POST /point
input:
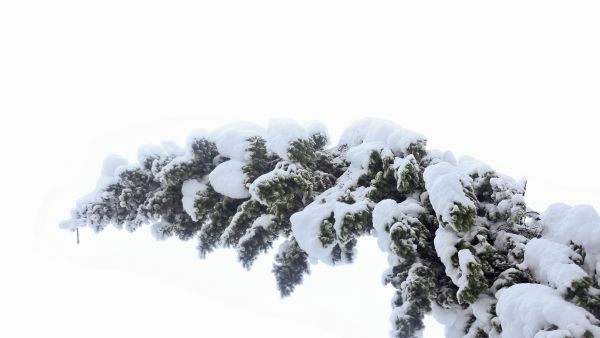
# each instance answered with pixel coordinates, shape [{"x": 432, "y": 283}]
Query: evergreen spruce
[{"x": 459, "y": 236}]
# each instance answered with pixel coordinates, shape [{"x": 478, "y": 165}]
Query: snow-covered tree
[{"x": 460, "y": 241}]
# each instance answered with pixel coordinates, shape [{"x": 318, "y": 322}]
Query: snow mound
[
  {"x": 189, "y": 190},
  {"x": 383, "y": 132},
  {"x": 228, "y": 179},
  {"x": 446, "y": 185},
  {"x": 525, "y": 310},
  {"x": 232, "y": 140},
  {"x": 281, "y": 133},
  {"x": 579, "y": 224},
  {"x": 552, "y": 263}
]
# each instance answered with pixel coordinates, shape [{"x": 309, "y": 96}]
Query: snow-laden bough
[{"x": 460, "y": 242}]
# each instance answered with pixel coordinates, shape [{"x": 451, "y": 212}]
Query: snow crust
[
  {"x": 483, "y": 318},
  {"x": 163, "y": 150},
  {"x": 228, "y": 179},
  {"x": 552, "y": 263},
  {"x": 445, "y": 184},
  {"x": 382, "y": 132},
  {"x": 470, "y": 165},
  {"x": 306, "y": 224},
  {"x": 464, "y": 258},
  {"x": 454, "y": 320},
  {"x": 231, "y": 140},
  {"x": 525, "y": 310},
  {"x": 445, "y": 246},
  {"x": 189, "y": 190},
  {"x": 436, "y": 156},
  {"x": 359, "y": 156},
  {"x": 110, "y": 168},
  {"x": 316, "y": 127},
  {"x": 306, "y": 227},
  {"x": 281, "y": 133},
  {"x": 580, "y": 224}
]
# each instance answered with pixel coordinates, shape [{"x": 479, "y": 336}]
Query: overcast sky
[{"x": 513, "y": 83}]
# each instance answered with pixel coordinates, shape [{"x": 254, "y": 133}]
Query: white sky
[{"x": 513, "y": 83}]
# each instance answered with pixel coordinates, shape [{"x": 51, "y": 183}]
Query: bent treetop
[{"x": 461, "y": 243}]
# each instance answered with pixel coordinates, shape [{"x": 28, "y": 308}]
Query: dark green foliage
[
  {"x": 409, "y": 176},
  {"x": 320, "y": 140},
  {"x": 510, "y": 277},
  {"x": 291, "y": 263},
  {"x": 417, "y": 150},
  {"x": 463, "y": 218},
  {"x": 303, "y": 151},
  {"x": 475, "y": 284},
  {"x": 257, "y": 239},
  {"x": 287, "y": 192},
  {"x": 415, "y": 295},
  {"x": 355, "y": 225},
  {"x": 261, "y": 161},
  {"x": 199, "y": 162},
  {"x": 218, "y": 220},
  {"x": 374, "y": 167},
  {"x": 246, "y": 214}
]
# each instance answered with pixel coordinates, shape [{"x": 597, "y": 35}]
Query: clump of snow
[
  {"x": 232, "y": 140},
  {"x": 388, "y": 211},
  {"x": 483, "y": 316},
  {"x": 165, "y": 149},
  {"x": 445, "y": 184},
  {"x": 454, "y": 320},
  {"x": 281, "y": 133},
  {"x": 552, "y": 263},
  {"x": 384, "y": 214},
  {"x": 172, "y": 148},
  {"x": 306, "y": 224},
  {"x": 341, "y": 209},
  {"x": 471, "y": 166},
  {"x": 228, "y": 179},
  {"x": 383, "y": 132},
  {"x": 189, "y": 190},
  {"x": 360, "y": 156},
  {"x": 445, "y": 246},
  {"x": 579, "y": 224},
  {"x": 355, "y": 133},
  {"x": 149, "y": 151},
  {"x": 316, "y": 127},
  {"x": 436, "y": 156},
  {"x": 525, "y": 310},
  {"x": 506, "y": 187},
  {"x": 464, "y": 258},
  {"x": 306, "y": 227},
  {"x": 110, "y": 167},
  {"x": 196, "y": 135}
]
